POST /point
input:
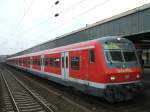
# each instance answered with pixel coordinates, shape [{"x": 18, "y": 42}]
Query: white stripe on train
[{"x": 80, "y": 81}]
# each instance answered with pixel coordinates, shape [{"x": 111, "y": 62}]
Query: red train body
[{"x": 108, "y": 67}]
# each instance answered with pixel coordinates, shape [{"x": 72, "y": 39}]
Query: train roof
[
  {"x": 101, "y": 39},
  {"x": 114, "y": 39}
]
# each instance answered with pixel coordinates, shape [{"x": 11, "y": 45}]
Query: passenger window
[
  {"x": 31, "y": 61},
  {"x": 28, "y": 62},
  {"x": 57, "y": 62},
  {"x": 46, "y": 61},
  {"x": 66, "y": 62},
  {"x": 41, "y": 61},
  {"x": 37, "y": 62},
  {"x": 34, "y": 62},
  {"x": 92, "y": 56},
  {"x": 51, "y": 62},
  {"x": 75, "y": 63},
  {"x": 62, "y": 62}
]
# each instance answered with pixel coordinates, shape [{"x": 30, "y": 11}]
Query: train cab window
[
  {"x": 75, "y": 62},
  {"x": 51, "y": 62},
  {"x": 116, "y": 56},
  {"x": 57, "y": 62},
  {"x": 130, "y": 56},
  {"x": 92, "y": 56}
]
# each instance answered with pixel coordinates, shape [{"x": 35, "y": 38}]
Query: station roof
[{"x": 99, "y": 23}]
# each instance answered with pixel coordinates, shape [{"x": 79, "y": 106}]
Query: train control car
[{"x": 107, "y": 67}]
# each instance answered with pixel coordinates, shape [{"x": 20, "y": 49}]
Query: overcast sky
[{"x": 25, "y": 23}]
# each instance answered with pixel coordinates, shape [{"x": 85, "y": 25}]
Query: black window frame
[
  {"x": 75, "y": 63},
  {"x": 92, "y": 56},
  {"x": 115, "y": 57},
  {"x": 57, "y": 63},
  {"x": 130, "y": 57},
  {"x": 46, "y": 62},
  {"x": 62, "y": 60},
  {"x": 51, "y": 62}
]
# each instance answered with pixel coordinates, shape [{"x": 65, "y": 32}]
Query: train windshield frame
[
  {"x": 130, "y": 56},
  {"x": 120, "y": 56},
  {"x": 116, "y": 56},
  {"x": 120, "y": 52}
]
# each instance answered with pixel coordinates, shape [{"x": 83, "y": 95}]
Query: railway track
[
  {"x": 56, "y": 100},
  {"x": 60, "y": 98},
  {"x": 18, "y": 97}
]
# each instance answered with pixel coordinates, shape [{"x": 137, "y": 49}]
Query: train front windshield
[
  {"x": 120, "y": 53},
  {"x": 119, "y": 56}
]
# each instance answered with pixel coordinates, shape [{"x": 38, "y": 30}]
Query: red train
[{"x": 108, "y": 67}]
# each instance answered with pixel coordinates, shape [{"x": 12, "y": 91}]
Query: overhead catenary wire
[
  {"x": 25, "y": 13},
  {"x": 72, "y": 6},
  {"x": 85, "y": 12},
  {"x": 66, "y": 22},
  {"x": 39, "y": 22},
  {"x": 55, "y": 15}
]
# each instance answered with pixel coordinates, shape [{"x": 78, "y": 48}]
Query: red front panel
[{"x": 124, "y": 74}]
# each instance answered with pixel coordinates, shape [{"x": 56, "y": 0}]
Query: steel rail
[
  {"x": 60, "y": 96},
  {"x": 47, "y": 109},
  {"x": 15, "y": 107}
]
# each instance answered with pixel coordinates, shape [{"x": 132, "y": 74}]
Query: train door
[
  {"x": 85, "y": 65},
  {"x": 65, "y": 65},
  {"x": 79, "y": 66},
  {"x": 42, "y": 62},
  {"x": 31, "y": 62}
]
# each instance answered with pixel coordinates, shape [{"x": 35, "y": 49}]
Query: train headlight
[
  {"x": 118, "y": 38},
  {"x": 138, "y": 76},
  {"x": 112, "y": 78}
]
